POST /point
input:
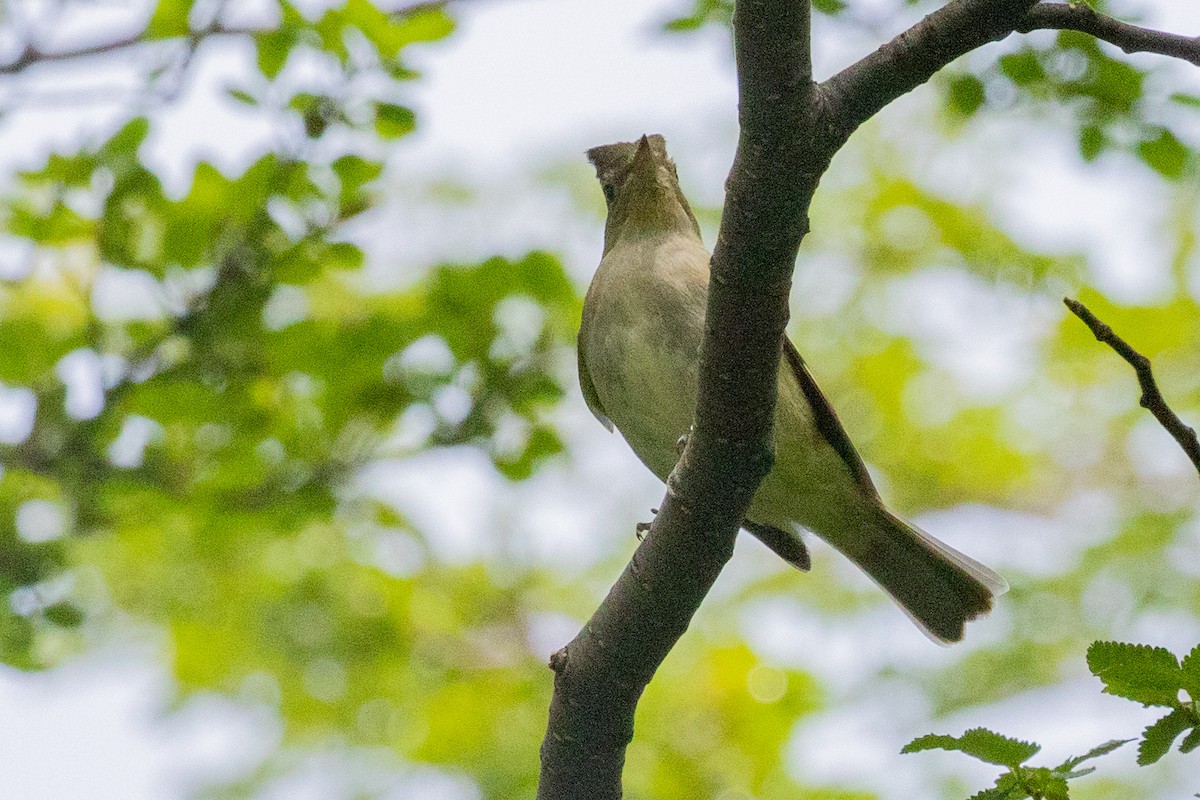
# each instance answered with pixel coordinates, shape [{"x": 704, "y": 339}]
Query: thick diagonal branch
[
  {"x": 600, "y": 675},
  {"x": 1152, "y": 399},
  {"x": 858, "y": 92},
  {"x": 1130, "y": 38}
]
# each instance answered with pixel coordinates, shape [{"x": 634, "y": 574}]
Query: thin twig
[
  {"x": 1151, "y": 399},
  {"x": 32, "y": 54},
  {"x": 1130, "y": 38}
]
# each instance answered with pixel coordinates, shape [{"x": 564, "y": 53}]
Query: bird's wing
[
  {"x": 585, "y": 378},
  {"x": 826, "y": 419}
]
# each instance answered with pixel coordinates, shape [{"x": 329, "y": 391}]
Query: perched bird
[{"x": 639, "y": 343}]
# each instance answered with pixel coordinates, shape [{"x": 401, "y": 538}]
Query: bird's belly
[{"x": 649, "y": 391}]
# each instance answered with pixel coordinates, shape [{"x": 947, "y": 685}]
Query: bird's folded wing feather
[
  {"x": 585, "y": 378},
  {"x": 826, "y": 419}
]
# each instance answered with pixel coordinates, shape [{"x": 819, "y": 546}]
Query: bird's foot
[
  {"x": 641, "y": 528},
  {"x": 682, "y": 441}
]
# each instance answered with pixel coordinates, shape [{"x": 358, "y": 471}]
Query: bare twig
[
  {"x": 32, "y": 55},
  {"x": 1130, "y": 38},
  {"x": 1151, "y": 399}
]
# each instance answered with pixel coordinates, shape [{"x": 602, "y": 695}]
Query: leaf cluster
[
  {"x": 1021, "y": 781},
  {"x": 1152, "y": 676}
]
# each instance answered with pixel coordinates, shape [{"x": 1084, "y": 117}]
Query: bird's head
[{"x": 642, "y": 190}]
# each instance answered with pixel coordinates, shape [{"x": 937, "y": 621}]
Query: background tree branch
[
  {"x": 861, "y": 90},
  {"x": 600, "y": 675},
  {"x": 32, "y": 54},
  {"x": 1151, "y": 399},
  {"x": 1130, "y": 38}
]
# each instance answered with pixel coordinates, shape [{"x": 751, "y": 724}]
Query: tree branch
[
  {"x": 32, "y": 55},
  {"x": 600, "y": 675},
  {"x": 861, "y": 90},
  {"x": 1151, "y": 399},
  {"x": 789, "y": 131},
  {"x": 1130, "y": 38}
]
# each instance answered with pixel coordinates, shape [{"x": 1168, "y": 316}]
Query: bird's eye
[{"x": 610, "y": 192}]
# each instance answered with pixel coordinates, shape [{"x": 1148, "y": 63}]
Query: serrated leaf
[
  {"x": 1190, "y": 674},
  {"x": 990, "y": 794},
  {"x": 1008, "y": 787},
  {"x": 1147, "y": 675},
  {"x": 1191, "y": 741},
  {"x": 1158, "y": 738},
  {"x": 1095, "y": 752},
  {"x": 979, "y": 743}
]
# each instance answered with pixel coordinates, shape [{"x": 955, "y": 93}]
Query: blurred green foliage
[{"x": 192, "y": 467}]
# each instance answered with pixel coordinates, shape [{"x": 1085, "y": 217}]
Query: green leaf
[
  {"x": 1147, "y": 675},
  {"x": 274, "y": 47},
  {"x": 966, "y": 94},
  {"x": 1070, "y": 764},
  {"x": 1092, "y": 142},
  {"x": 343, "y": 255},
  {"x": 991, "y": 794},
  {"x": 1190, "y": 674},
  {"x": 979, "y": 743},
  {"x": 1165, "y": 154},
  {"x": 170, "y": 19},
  {"x": 393, "y": 121},
  {"x": 426, "y": 24},
  {"x": 127, "y": 140},
  {"x": 1191, "y": 741},
  {"x": 75, "y": 170},
  {"x": 355, "y": 171},
  {"x": 64, "y": 615},
  {"x": 317, "y": 111},
  {"x": 1023, "y": 68},
  {"x": 831, "y": 7},
  {"x": 683, "y": 24},
  {"x": 243, "y": 97},
  {"x": 1158, "y": 738},
  {"x": 1182, "y": 99}
]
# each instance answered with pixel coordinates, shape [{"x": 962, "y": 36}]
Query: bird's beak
[
  {"x": 644, "y": 189},
  {"x": 643, "y": 170}
]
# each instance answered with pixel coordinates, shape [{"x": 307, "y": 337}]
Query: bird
[{"x": 638, "y": 346}]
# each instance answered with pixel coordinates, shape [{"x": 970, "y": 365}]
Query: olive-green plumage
[{"x": 643, "y": 320}]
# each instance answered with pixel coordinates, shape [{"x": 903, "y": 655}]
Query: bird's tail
[{"x": 938, "y": 587}]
